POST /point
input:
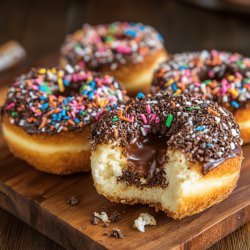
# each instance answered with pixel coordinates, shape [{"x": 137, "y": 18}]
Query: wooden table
[{"x": 42, "y": 33}]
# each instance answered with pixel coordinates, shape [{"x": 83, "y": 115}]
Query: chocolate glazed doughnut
[
  {"x": 180, "y": 154},
  {"x": 47, "y": 114},
  {"x": 223, "y": 77},
  {"x": 128, "y": 51}
]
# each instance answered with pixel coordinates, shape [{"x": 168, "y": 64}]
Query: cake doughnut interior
[
  {"x": 128, "y": 51},
  {"x": 180, "y": 154},
  {"x": 47, "y": 114},
  {"x": 223, "y": 77}
]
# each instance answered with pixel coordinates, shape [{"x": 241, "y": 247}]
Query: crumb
[
  {"x": 73, "y": 201},
  {"x": 106, "y": 234},
  {"x": 106, "y": 224},
  {"x": 116, "y": 233},
  {"x": 95, "y": 221},
  {"x": 102, "y": 216},
  {"x": 143, "y": 220},
  {"x": 115, "y": 216},
  {"x": 84, "y": 228}
]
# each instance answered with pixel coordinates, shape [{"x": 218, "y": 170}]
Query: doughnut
[
  {"x": 47, "y": 115},
  {"x": 223, "y": 77},
  {"x": 179, "y": 154},
  {"x": 128, "y": 51}
]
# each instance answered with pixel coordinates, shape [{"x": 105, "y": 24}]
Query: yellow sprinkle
[
  {"x": 42, "y": 71},
  {"x": 53, "y": 70},
  {"x": 60, "y": 73},
  {"x": 169, "y": 82},
  {"x": 178, "y": 92},
  {"x": 234, "y": 92},
  {"x": 230, "y": 78},
  {"x": 60, "y": 85}
]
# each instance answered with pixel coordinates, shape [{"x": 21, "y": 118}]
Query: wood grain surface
[
  {"x": 41, "y": 26},
  {"x": 40, "y": 200}
]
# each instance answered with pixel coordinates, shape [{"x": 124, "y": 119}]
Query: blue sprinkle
[
  {"x": 54, "y": 117},
  {"x": 235, "y": 104},
  {"x": 65, "y": 102},
  {"x": 51, "y": 108},
  {"x": 85, "y": 92},
  {"x": 108, "y": 107},
  {"x": 59, "y": 117},
  {"x": 53, "y": 123},
  {"x": 69, "y": 99},
  {"x": 63, "y": 112},
  {"x": 130, "y": 33},
  {"x": 140, "y": 95},
  {"x": 160, "y": 37},
  {"x": 200, "y": 128},
  {"x": 92, "y": 84},
  {"x": 43, "y": 97},
  {"x": 174, "y": 87},
  {"x": 141, "y": 27},
  {"x": 66, "y": 117},
  {"x": 42, "y": 88},
  {"x": 182, "y": 67},
  {"x": 76, "y": 120},
  {"x": 45, "y": 106},
  {"x": 91, "y": 95},
  {"x": 66, "y": 82},
  {"x": 114, "y": 106},
  {"x": 209, "y": 145}
]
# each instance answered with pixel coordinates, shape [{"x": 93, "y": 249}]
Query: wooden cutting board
[{"x": 40, "y": 200}]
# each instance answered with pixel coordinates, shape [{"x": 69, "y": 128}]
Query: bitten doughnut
[
  {"x": 47, "y": 114},
  {"x": 216, "y": 75},
  {"x": 128, "y": 51},
  {"x": 176, "y": 153}
]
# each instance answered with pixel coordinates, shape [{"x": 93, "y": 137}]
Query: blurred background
[{"x": 40, "y": 26}]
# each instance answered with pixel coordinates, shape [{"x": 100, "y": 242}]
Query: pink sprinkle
[
  {"x": 33, "y": 109},
  {"x": 73, "y": 114},
  {"x": 144, "y": 119},
  {"x": 38, "y": 80},
  {"x": 11, "y": 105},
  {"x": 197, "y": 84},
  {"x": 74, "y": 77},
  {"x": 157, "y": 120},
  {"x": 148, "y": 109},
  {"x": 123, "y": 49},
  {"x": 152, "y": 118},
  {"x": 34, "y": 87},
  {"x": 211, "y": 74},
  {"x": 39, "y": 113},
  {"x": 132, "y": 119}
]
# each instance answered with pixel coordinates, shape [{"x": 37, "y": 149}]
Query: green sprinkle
[
  {"x": 13, "y": 113},
  {"x": 169, "y": 120},
  {"x": 115, "y": 119},
  {"x": 207, "y": 81},
  {"x": 84, "y": 113},
  {"x": 192, "y": 108}
]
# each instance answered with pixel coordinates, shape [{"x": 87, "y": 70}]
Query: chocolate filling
[{"x": 146, "y": 157}]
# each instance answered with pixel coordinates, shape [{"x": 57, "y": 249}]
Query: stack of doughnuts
[
  {"x": 180, "y": 154},
  {"x": 47, "y": 114},
  {"x": 177, "y": 148},
  {"x": 128, "y": 51},
  {"x": 223, "y": 77}
]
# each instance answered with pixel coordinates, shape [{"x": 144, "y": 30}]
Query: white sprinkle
[
  {"x": 217, "y": 119},
  {"x": 234, "y": 132},
  {"x": 232, "y": 145}
]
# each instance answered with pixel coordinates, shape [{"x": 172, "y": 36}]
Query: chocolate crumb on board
[
  {"x": 116, "y": 233},
  {"x": 115, "y": 216},
  {"x": 73, "y": 201}
]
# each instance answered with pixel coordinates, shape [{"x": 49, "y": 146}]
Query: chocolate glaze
[
  {"x": 207, "y": 167},
  {"x": 147, "y": 154}
]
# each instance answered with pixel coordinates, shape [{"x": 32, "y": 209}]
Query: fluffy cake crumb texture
[{"x": 143, "y": 220}]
